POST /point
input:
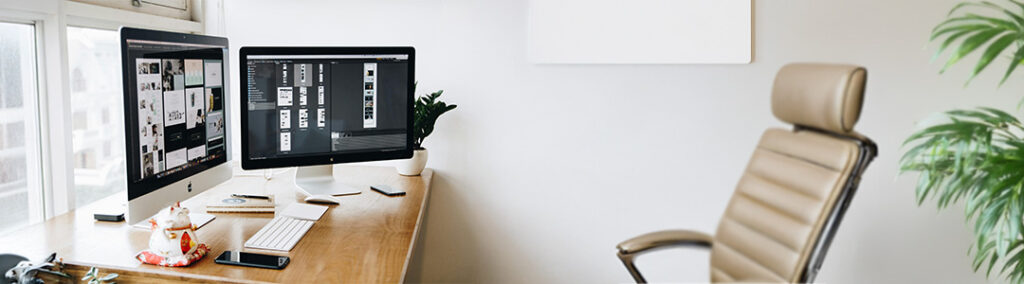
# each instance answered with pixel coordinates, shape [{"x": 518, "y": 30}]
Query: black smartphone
[
  {"x": 387, "y": 190},
  {"x": 253, "y": 260}
]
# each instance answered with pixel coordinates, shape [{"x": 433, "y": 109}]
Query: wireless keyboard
[{"x": 282, "y": 233}]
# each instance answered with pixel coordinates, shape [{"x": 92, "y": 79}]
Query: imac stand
[{"x": 319, "y": 180}]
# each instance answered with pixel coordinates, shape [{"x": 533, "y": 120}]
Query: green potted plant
[
  {"x": 425, "y": 113},
  {"x": 977, "y": 156}
]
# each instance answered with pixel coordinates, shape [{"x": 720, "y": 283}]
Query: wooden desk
[{"x": 368, "y": 238}]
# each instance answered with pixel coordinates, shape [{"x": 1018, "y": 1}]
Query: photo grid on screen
[{"x": 180, "y": 113}]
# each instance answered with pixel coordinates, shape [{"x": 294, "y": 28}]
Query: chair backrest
[{"x": 798, "y": 183}]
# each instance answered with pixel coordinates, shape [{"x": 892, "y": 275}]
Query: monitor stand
[{"x": 319, "y": 180}]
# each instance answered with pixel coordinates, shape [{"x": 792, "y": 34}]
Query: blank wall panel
[{"x": 640, "y": 31}]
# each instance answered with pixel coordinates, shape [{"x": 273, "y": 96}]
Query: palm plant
[
  {"x": 978, "y": 155},
  {"x": 977, "y": 30}
]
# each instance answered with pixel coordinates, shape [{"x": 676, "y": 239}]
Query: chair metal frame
[{"x": 868, "y": 151}]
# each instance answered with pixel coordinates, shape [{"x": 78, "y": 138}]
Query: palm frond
[
  {"x": 976, "y": 158},
  {"x": 968, "y": 32}
]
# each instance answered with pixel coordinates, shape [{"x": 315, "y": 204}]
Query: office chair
[{"x": 795, "y": 189}]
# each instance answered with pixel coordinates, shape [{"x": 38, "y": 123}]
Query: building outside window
[
  {"x": 94, "y": 72},
  {"x": 19, "y": 150}
]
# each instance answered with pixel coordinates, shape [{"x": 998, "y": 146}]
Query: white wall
[{"x": 544, "y": 168}]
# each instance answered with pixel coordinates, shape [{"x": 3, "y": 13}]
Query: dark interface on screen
[{"x": 310, "y": 105}]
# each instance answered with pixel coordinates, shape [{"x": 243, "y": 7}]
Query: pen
[{"x": 250, "y": 196}]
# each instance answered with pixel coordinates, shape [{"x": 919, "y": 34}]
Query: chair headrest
[{"x": 823, "y": 96}]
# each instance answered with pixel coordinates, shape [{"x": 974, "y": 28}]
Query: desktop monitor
[
  {"x": 176, "y": 117},
  {"x": 312, "y": 107}
]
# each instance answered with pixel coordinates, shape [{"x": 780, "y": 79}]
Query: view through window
[
  {"x": 94, "y": 66},
  {"x": 19, "y": 167}
]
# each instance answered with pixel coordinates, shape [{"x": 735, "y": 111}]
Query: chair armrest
[
  {"x": 655, "y": 240},
  {"x": 661, "y": 239}
]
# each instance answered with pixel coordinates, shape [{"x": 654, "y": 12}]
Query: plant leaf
[
  {"x": 1017, "y": 57},
  {"x": 1001, "y": 114},
  {"x": 992, "y": 51},
  {"x": 960, "y": 28},
  {"x": 949, "y": 40},
  {"x": 969, "y": 45}
]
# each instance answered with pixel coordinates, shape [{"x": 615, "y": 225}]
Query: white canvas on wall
[{"x": 639, "y": 31}]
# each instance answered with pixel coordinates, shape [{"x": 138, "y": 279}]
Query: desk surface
[{"x": 368, "y": 238}]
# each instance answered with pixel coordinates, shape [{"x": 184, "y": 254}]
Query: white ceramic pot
[{"x": 414, "y": 166}]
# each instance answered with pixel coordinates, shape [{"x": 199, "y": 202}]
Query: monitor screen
[
  {"x": 325, "y": 103},
  {"x": 174, "y": 107}
]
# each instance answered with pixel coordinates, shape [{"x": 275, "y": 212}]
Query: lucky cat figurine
[{"x": 174, "y": 241}]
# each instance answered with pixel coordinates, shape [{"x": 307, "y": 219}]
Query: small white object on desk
[
  {"x": 304, "y": 211},
  {"x": 322, "y": 198}
]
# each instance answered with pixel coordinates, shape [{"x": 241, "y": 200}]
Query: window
[
  {"x": 94, "y": 70},
  {"x": 19, "y": 150},
  {"x": 61, "y": 116},
  {"x": 181, "y": 9}
]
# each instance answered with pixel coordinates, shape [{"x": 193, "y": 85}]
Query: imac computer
[
  {"x": 312, "y": 107},
  {"x": 176, "y": 117}
]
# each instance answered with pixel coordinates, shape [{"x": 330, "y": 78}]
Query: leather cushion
[
  {"x": 780, "y": 205},
  {"x": 823, "y": 96}
]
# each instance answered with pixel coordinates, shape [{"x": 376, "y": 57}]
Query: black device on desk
[
  {"x": 387, "y": 190},
  {"x": 253, "y": 260},
  {"x": 109, "y": 217}
]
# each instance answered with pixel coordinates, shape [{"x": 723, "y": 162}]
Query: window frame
[
  {"x": 34, "y": 161},
  {"x": 53, "y": 120}
]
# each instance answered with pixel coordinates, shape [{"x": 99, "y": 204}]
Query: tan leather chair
[{"x": 795, "y": 189}]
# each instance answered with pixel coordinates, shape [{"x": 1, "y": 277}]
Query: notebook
[{"x": 229, "y": 204}]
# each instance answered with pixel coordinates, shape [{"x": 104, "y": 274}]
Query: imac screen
[{"x": 176, "y": 100}]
